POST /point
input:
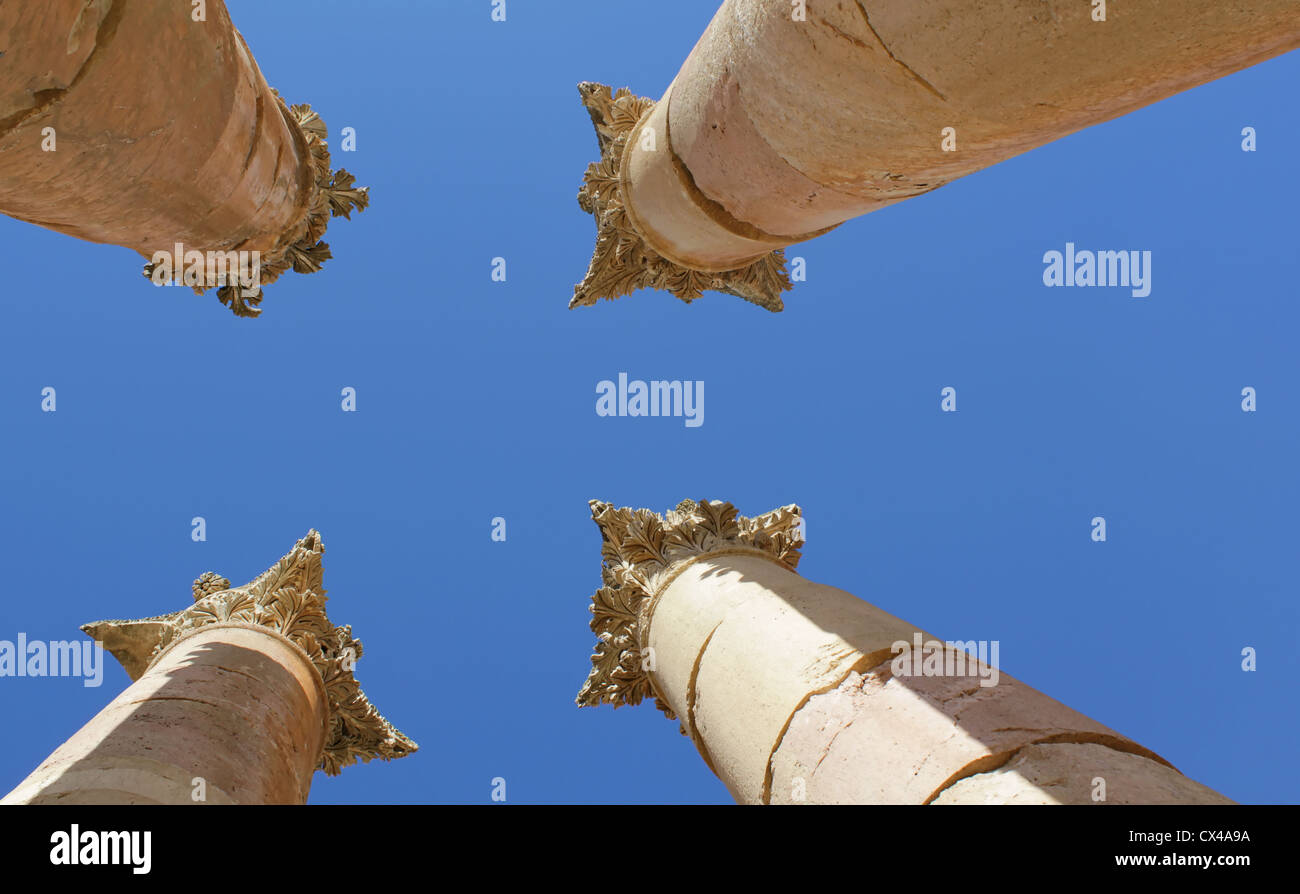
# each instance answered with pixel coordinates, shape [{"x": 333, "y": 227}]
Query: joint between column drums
[
  {"x": 716, "y": 210},
  {"x": 991, "y": 762},
  {"x": 694, "y": 730},
  {"x": 862, "y": 665},
  {"x": 707, "y": 206},
  {"x": 643, "y": 642}
]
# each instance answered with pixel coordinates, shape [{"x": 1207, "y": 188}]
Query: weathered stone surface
[
  {"x": 878, "y": 738},
  {"x": 1069, "y": 774},
  {"x": 780, "y": 639},
  {"x": 239, "y": 708}
]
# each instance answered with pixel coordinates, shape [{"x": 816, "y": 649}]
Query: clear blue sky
[{"x": 476, "y": 399}]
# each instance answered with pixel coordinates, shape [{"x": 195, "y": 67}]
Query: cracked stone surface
[
  {"x": 882, "y": 739},
  {"x": 1073, "y": 774}
]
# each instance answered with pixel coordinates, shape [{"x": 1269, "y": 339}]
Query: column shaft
[
  {"x": 778, "y": 127},
  {"x": 164, "y": 129},
  {"x": 234, "y": 705},
  {"x": 788, "y": 689}
]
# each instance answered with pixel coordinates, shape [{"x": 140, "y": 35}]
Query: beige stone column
[
  {"x": 797, "y": 692},
  {"x": 238, "y": 699},
  {"x": 788, "y": 119},
  {"x": 130, "y": 122}
]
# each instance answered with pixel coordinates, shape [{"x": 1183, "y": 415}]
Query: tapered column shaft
[
  {"x": 791, "y": 126},
  {"x": 797, "y": 692},
  {"x": 789, "y": 118},
  {"x": 164, "y": 129},
  {"x": 148, "y": 124},
  {"x": 229, "y": 715},
  {"x": 238, "y": 698}
]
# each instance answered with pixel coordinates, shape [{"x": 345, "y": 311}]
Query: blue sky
[{"x": 476, "y": 399}]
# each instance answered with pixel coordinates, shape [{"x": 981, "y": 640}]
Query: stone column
[
  {"x": 238, "y": 699},
  {"x": 789, "y": 118},
  {"x": 797, "y": 692},
  {"x": 134, "y": 124}
]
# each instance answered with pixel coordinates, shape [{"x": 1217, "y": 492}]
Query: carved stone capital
[
  {"x": 641, "y": 553},
  {"x": 329, "y": 193},
  {"x": 623, "y": 261},
  {"x": 289, "y": 599}
]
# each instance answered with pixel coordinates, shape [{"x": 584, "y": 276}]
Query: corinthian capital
[
  {"x": 289, "y": 599},
  {"x": 626, "y": 258},
  {"x": 641, "y": 553}
]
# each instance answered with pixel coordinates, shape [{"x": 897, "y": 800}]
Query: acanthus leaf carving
[
  {"x": 640, "y": 551},
  {"x": 622, "y": 262},
  {"x": 300, "y": 248},
  {"x": 289, "y": 599}
]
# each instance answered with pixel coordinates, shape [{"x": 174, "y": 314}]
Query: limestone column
[
  {"x": 237, "y": 699},
  {"x": 797, "y": 692},
  {"x": 789, "y": 118},
  {"x": 139, "y": 123}
]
